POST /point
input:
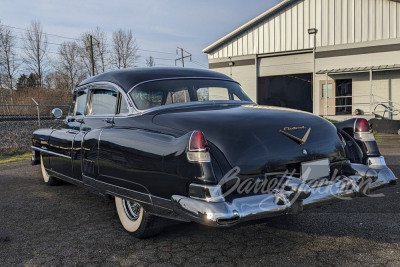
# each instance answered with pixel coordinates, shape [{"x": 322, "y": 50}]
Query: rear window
[{"x": 168, "y": 92}]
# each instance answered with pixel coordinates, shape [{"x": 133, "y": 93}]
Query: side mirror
[{"x": 57, "y": 113}]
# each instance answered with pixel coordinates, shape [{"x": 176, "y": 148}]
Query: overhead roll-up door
[{"x": 285, "y": 65}]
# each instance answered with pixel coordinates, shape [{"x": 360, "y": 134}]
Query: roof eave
[{"x": 246, "y": 26}]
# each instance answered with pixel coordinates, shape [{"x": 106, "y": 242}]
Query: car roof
[{"x": 128, "y": 78}]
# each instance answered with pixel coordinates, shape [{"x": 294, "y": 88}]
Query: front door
[
  {"x": 327, "y": 103},
  {"x": 61, "y": 141}
]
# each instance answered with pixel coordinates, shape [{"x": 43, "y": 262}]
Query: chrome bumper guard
[
  {"x": 385, "y": 175},
  {"x": 236, "y": 210}
]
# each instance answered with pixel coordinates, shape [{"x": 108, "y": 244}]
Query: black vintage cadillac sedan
[{"x": 189, "y": 145}]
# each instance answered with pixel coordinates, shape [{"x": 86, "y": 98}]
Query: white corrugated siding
[{"x": 337, "y": 21}]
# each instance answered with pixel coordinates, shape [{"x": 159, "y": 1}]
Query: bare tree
[
  {"x": 124, "y": 48},
  {"x": 99, "y": 47},
  {"x": 85, "y": 53},
  {"x": 70, "y": 64},
  {"x": 150, "y": 62},
  {"x": 35, "y": 48},
  {"x": 8, "y": 56},
  {"x": 102, "y": 47}
]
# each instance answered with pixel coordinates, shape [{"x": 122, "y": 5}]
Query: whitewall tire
[
  {"x": 48, "y": 179},
  {"x": 136, "y": 220}
]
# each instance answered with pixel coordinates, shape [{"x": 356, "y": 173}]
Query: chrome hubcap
[{"x": 132, "y": 209}]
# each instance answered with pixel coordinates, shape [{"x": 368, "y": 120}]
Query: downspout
[
  {"x": 370, "y": 91},
  {"x": 326, "y": 94}
]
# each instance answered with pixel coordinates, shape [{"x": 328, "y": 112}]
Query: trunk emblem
[
  {"x": 305, "y": 152},
  {"x": 301, "y": 141}
]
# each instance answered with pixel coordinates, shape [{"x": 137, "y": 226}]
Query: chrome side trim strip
[
  {"x": 65, "y": 178},
  {"x": 50, "y": 152}
]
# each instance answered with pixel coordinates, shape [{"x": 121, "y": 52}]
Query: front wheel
[
  {"x": 136, "y": 220},
  {"x": 48, "y": 179}
]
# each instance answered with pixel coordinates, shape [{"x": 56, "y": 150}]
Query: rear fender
[{"x": 366, "y": 144}]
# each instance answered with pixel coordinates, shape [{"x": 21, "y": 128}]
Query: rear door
[{"x": 99, "y": 115}]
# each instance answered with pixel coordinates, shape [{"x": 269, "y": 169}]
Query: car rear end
[{"x": 309, "y": 175}]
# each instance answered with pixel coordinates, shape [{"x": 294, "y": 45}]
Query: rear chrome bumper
[{"x": 279, "y": 202}]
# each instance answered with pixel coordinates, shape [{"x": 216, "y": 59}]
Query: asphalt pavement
[{"x": 67, "y": 225}]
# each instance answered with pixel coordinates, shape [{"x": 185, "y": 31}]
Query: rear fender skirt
[{"x": 154, "y": 205}]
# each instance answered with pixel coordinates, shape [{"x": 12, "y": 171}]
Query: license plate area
[{"x": 315, "y": 169}]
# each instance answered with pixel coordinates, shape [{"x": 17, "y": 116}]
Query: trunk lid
[{"x": 259, "y": 139}]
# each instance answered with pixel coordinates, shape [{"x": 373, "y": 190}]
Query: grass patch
[
  {"x": 16, "y": 157},
  {"x": 332, "y": 121}
]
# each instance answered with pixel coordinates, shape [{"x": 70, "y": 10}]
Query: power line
[
  {"x": 153, "y": 51},
  {"x": 139, "y": 49},
  {"x": 76, "y": 39},
  {"x": 49, "y": 34},
  {"x": 199, "y": 64}
]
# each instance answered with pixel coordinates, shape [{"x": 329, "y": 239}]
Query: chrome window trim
[
  {"x": 131, "y": 105},
  {"x": 142, "y": 111},
  {"x": 133, "y": 110},
  {"x": 220, "y": 102}
]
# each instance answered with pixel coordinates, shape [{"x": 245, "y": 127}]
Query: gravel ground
[{"x": 67, "y": 225}]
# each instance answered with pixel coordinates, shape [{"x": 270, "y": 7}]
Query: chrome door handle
[{"x": 109, "y": 120}]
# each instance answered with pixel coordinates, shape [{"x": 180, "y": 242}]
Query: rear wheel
[
  {"x": 136, "y": 220},
  {"x": 48, "y": 179}
]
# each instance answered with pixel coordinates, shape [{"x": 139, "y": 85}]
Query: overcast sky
[{"x": 159, "y": 25}]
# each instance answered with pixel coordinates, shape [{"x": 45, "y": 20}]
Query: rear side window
[
  {"x": 213, "y": 93},
  {"x": 170, "y": 92},
  {"x": 124, "y": 108},
  {"x": 147, "y": 98},
  {"x": 103, "y": 102}
]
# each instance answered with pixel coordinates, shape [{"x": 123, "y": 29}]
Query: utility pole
[
  {"x": 184, "y": 54},
  {"x": 91, "y": 51}
]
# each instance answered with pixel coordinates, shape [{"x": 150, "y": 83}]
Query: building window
[{"x": 330, "y": 86}]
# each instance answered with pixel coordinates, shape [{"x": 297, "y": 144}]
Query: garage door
[{"x": 285, "y": 65}]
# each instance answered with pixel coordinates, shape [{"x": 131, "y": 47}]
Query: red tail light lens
[
  {"x": 198, "y": 142},
  {"x": 362, "y": 126}
]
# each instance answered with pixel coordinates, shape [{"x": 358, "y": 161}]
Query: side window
[
  {"x": 80, "y": 103},
  {"x": 177, "y": 96},
  {"x": 123, "y": 109},
  {"x": 103, "y": 102},
  {"x": 145, "y": 99},
  {"x": 212, "y": 93}
]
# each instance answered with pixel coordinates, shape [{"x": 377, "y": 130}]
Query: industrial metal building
[{"x": 329, "y": 57}]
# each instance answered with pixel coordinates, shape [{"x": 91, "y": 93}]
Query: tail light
[
  {"x": 362, "y": 126},
  {"x": 198, "y": 150},
  {"x": 362, "y": 130}
]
